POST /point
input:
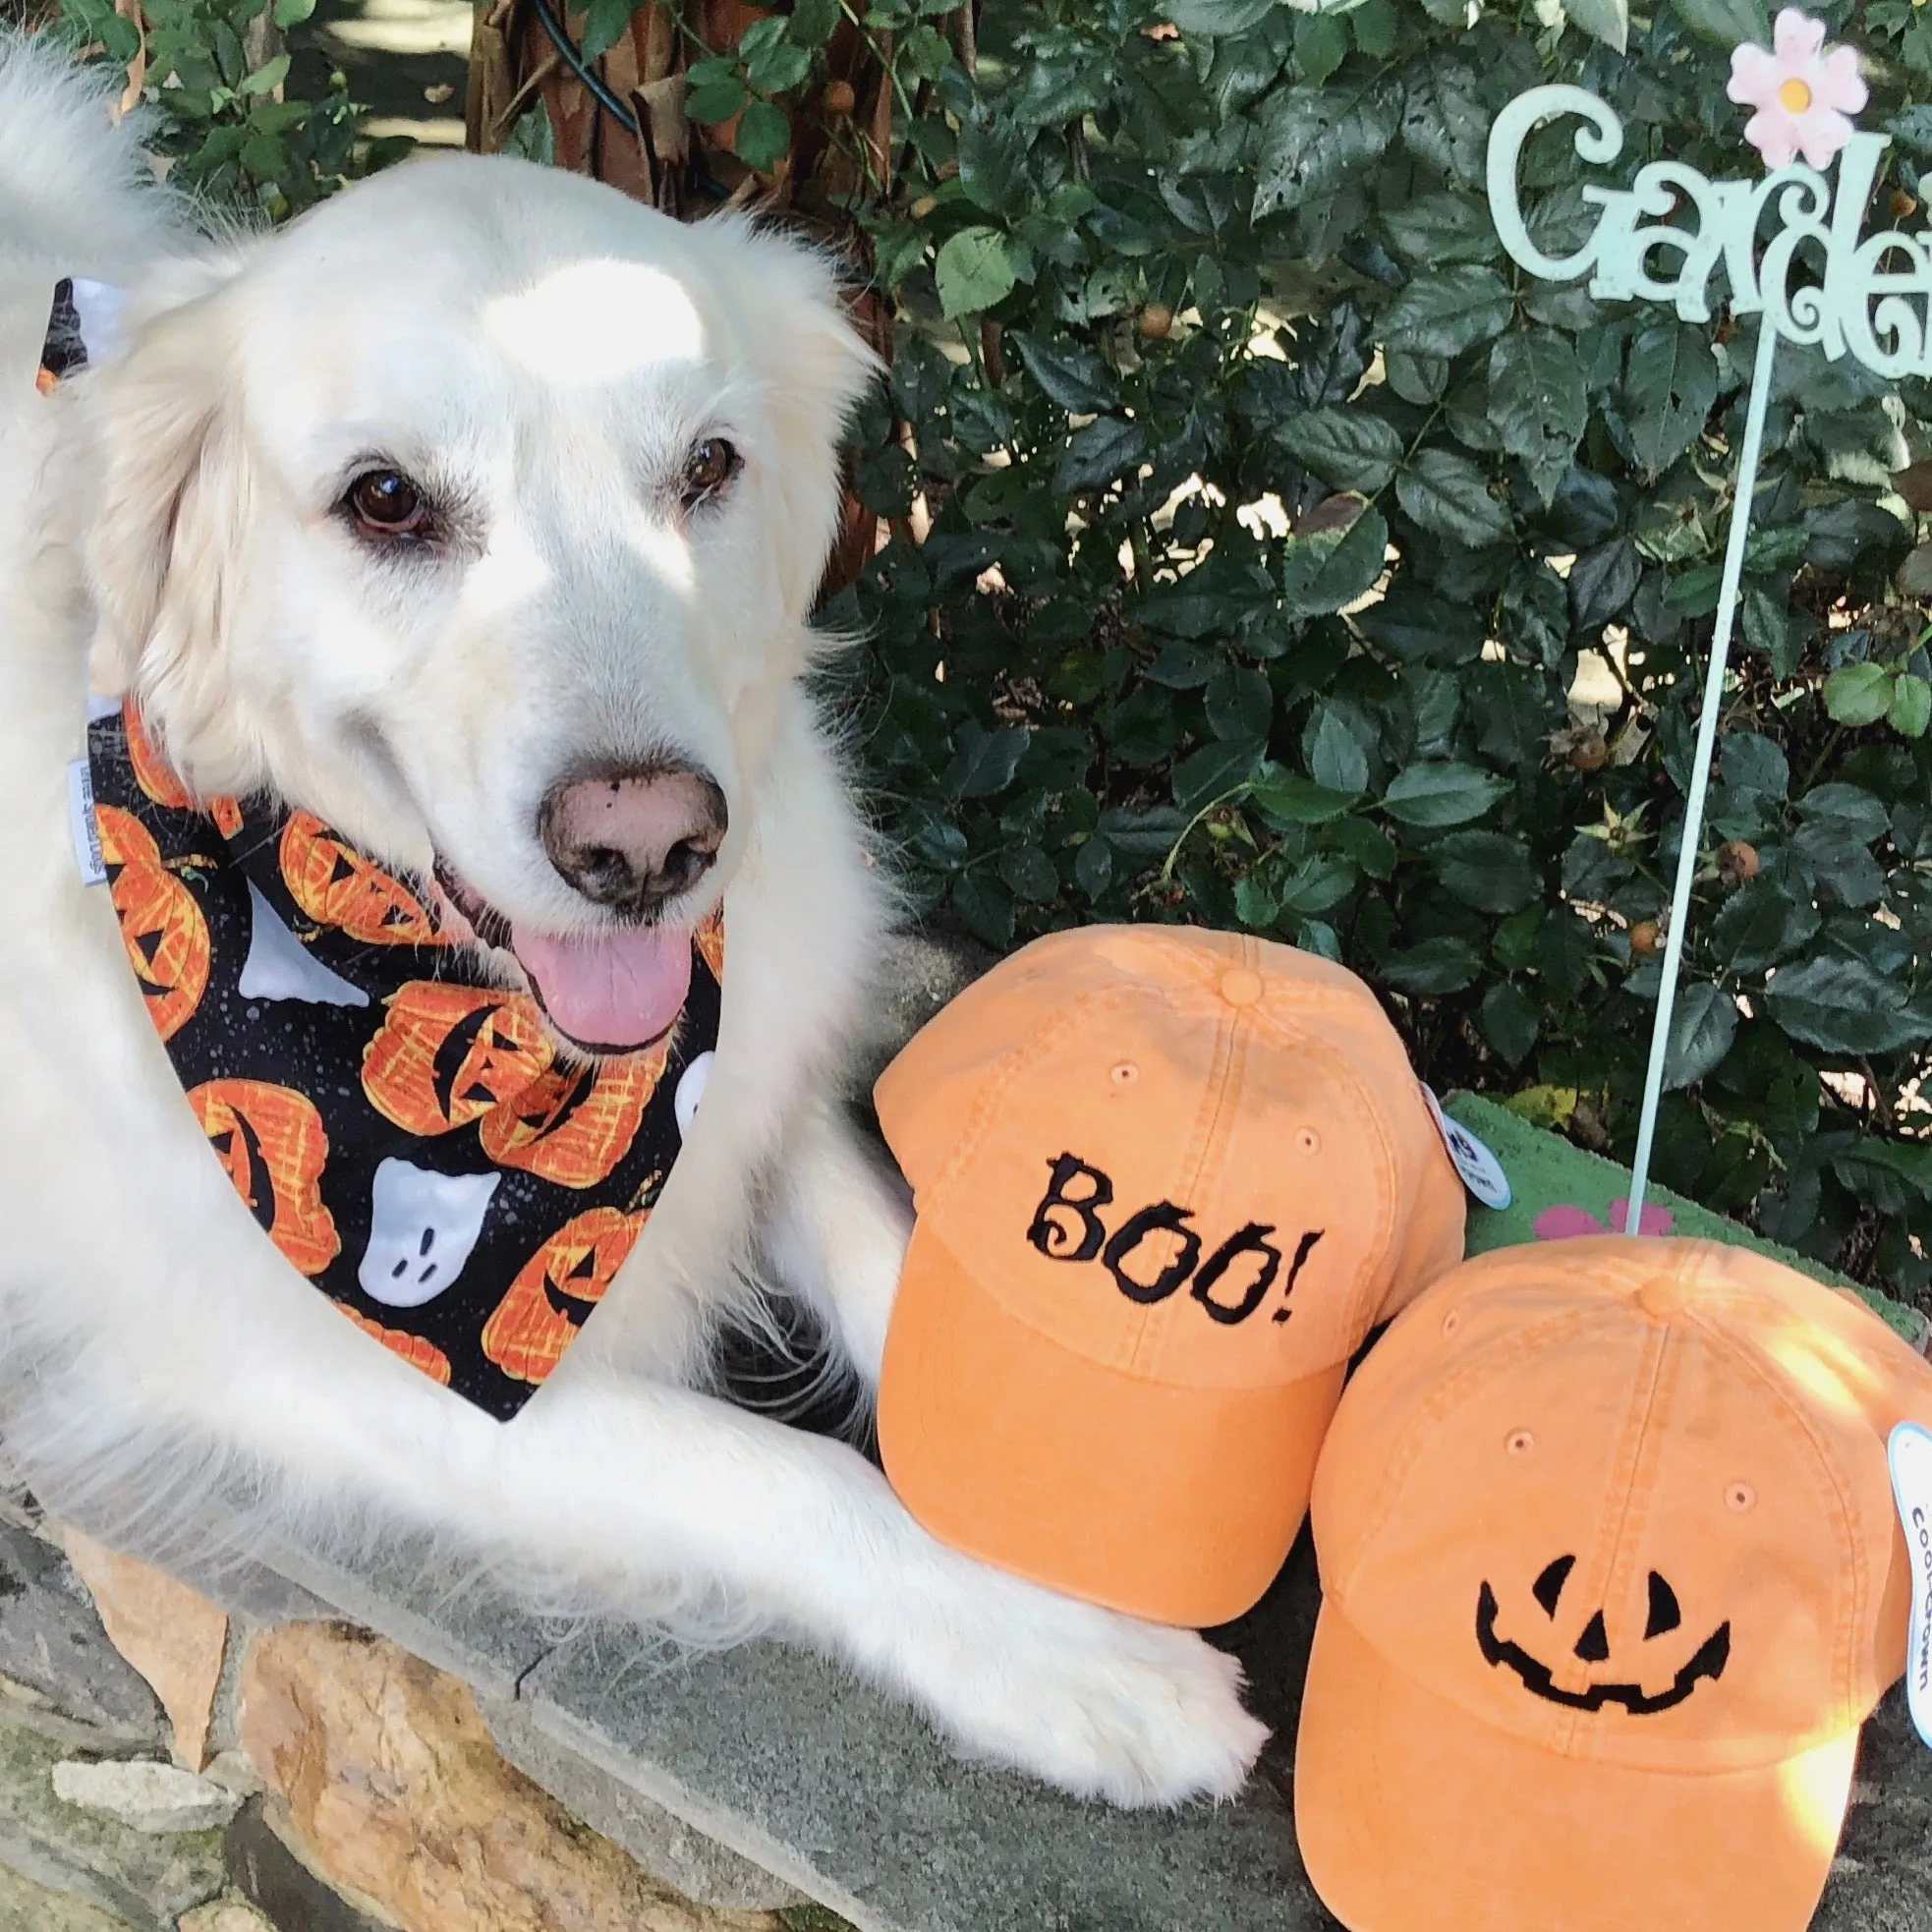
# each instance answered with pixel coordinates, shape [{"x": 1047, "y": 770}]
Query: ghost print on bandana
[{"x": 406, "y": 1133}]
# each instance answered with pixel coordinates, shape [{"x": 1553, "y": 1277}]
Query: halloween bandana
[{"x": 405, "y": 1133}]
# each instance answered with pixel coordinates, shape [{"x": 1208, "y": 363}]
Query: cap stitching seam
[{"x": 1849, "y": 1549}]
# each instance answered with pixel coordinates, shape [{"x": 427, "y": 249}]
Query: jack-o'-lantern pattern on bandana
[{"x": 410, "y": 1136}]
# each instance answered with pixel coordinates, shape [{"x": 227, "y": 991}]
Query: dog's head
[{"x": 480, "y": 513}]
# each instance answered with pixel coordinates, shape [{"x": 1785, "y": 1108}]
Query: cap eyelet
[
  {"x": 1308, "y": 1140},
  {"x": 1124, "y": 1074},
  {"x": 1520, "y": 1442},
  {"x": 1739, "y": 1496},
  {"x": 1453, "y": 1320}
]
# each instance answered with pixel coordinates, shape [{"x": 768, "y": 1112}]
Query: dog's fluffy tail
[{"x": 74, "y": 187}]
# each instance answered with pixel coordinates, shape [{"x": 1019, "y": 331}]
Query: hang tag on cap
[
  {"x": 1908, "y": 1454},
  {"x": 1481, "y": 1172}
]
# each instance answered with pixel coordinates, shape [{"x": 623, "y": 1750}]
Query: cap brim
[
  {"x": 1177, "y": 1505},
  {"x": 1410, "y": 1812}
]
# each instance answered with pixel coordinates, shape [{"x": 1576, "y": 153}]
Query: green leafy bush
[
  {"x": 1267, "y": 551},
  {"x": 1253, "y": 516},
  {"x": 216, "y": 76}
]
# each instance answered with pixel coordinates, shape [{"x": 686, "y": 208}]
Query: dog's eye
[
  {"x": 710, "y": 465},
  {"x": 386, "y": 504}
]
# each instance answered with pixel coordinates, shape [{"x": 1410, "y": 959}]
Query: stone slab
[
  {"x": 780, "y": 1756},
  {"x": 853, "y": 1799},
  {"x": 148, "y": 1881},
  {"x": 660, "y": 1842},
  {"x": 448, "y": 1619},
  {"x": 53, "y": 1647}
]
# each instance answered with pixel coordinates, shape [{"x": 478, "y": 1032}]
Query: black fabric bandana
[{"x": 404, "y": 1132}]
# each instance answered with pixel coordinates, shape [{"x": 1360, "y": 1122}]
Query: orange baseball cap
[
  {"x": 1612, "y": 1577},
  {"x": 1167, "y": 1181}
]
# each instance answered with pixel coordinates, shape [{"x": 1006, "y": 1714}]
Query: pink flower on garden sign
[
  {"x": 1567, "y": 1224},
  {"x": 1804, "y": 97}
]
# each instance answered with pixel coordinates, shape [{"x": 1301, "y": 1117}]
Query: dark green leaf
[
  {"x": 1844, "y": 1008},
  {"x": 1602, "y": 581},
  {"x": 1538, "y": 404},
  {"x": 974, "y": 268},
  {"x": 1435, "y": 230},
  {"x": 1912, "y": 706},
  {"x": 1349, "y": 448},
  {"x": 1075, "y": 378},
  {"x": 986, "y": 908},
  {"x": 1487, "y": 870},
  {"x": 1670, "y": 390},
  {"x": 1608, "y": 21},
  {"x": 1509, "y": 1020},
  {"x": 1287, "y": 798},
  {"x": 1435, "y": 966},
  {"x": 764, "y": 136},
  {"x": 1440, "y": 793},
  {"x": 1104, "y": 449},
  {"x": 986, "y": 759},
  {"x": 1321, "y": 44},
  {"x": 1759, "y": 925},
  {"x": 1334, "y": 755},
  {"x": 1726, "y": 23},
  {"x": 1312, "y": 141},
  {"x": 1703, "y": 1025},
  {"x": 1447, "y": 495},
  {"x": 1446, "y": 311},
  {"x": 1859, "y": 693},
  {"x": 1327, "y": 568},
  {"x": 1215, "y": 771}
]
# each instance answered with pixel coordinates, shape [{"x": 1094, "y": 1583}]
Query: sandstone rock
[
  {"x": 225, "y": 1915},
  {"x": 171, "y": 1635},
  {"x": 145, "y": 1797},
  {"x": 389, "y": 1774}
]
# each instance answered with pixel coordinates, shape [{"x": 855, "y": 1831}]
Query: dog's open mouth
[{"x": 611, "y": 991}]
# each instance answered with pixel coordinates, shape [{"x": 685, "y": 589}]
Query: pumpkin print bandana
[{"x": 405, "y": 1132}]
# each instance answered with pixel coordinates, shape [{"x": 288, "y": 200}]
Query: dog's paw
[{"x": 1098, "y": 1704}]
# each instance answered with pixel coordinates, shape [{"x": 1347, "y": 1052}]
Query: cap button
[
  {"x": 1240, "y": 986},
  {"x": 1662, "y": 1295}
]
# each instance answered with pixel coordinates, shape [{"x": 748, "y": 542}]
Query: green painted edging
[{"x": 1545, "y": 1171}]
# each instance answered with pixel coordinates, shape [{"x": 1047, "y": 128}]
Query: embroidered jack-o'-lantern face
[
  {"x": 417, "y": 1352},
  {"x": 272, "y": 1142},
  {"x": 573, "y": 1124},
  {"x": 336, "y": 886},
  {"x": 449, "y": 1054},
  {"x": 555, "y": 1290},
  {"x": 710, "y": 938},
  {"x": 161, "y": 926},
  {"x": 159, "y": 781},
  {"x": 1625, "y": 1681}
]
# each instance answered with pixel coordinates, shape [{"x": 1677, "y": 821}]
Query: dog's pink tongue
[{"x": 616, "y": 989}]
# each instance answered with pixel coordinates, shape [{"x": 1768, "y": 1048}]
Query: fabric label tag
[
  {"x": 1481, "y": 1172},
  {"x": 80, "y": 817},
  {"x": 1910, "y": 1455}
]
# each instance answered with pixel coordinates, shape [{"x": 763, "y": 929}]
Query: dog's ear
[
  {"x": 816, "y": 367},
  {"x": 170, "y": 494}
]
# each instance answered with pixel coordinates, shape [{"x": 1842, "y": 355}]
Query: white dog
[{"x": 478, "y": 480}]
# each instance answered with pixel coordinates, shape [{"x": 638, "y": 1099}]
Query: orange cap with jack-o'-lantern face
[
  {"x": 1612, "y": 1575},
  {"x": 1167, "y": 1181}
]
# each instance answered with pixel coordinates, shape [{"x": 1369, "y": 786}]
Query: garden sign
[{"x": 1794, "y": 255}]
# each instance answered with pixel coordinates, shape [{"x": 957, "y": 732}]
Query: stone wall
[{"x": 166, "y": 1766}]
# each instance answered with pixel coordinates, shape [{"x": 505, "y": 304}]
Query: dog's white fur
[{"x": 544, "y": 350}]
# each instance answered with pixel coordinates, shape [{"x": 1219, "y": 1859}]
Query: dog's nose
[{"x": 633, "y": 838}]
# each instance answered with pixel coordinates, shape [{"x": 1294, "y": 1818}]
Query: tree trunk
[{"x": 841, "y": 141}]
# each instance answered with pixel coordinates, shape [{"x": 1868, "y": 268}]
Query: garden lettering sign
[{"x": 1793, "y": 253}]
